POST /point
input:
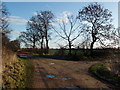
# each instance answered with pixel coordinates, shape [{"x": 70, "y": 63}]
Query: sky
[
  {"x": 21, "y": 12},
  {"x": 60, "y": 0}
]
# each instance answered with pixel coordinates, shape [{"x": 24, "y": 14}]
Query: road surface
[{"x": 52, "y": 73}]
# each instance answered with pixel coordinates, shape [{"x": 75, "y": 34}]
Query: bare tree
[
  {"x": 31, "y": 36},
  {"x": 15, "y": 45},
  {"x": 38, "y": 26},
  {"x": 98, "y": 20},
  {"x": 46, "y": 18},
  {"x": 4, "y": 25},
  {"x": 70, "y": 30},
  {"x": 116, "y": 36},
  {"x": 3, "y": 19},
  {"x": 86, "y": 37},
  {"x": 38, "y": 30}
]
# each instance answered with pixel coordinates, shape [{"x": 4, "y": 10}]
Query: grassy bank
[
  {"x": 28, "y": 69},
  {"x": 17, "y": 74},
  {"x": 102, "y": 72}
]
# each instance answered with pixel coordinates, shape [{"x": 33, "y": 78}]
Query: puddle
[
  {"x": 37, "y": 76},
  {"x": 23, "y": 56},
  {"x": 39, "y": 71},
  {"x": 50, "y": 76},
  {"x": 38, "y": 80},
  {"x": 66, "y": 78},
  {"x": 39, "y": 67},
  {"x": 51, "y": 63},
  {"x": 72, "y": 87},
  {"x": 86, "y": 63},
  {"x": 37, "y": 64}
]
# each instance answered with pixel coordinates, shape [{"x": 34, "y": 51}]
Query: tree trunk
[
  {"x": 33, "y": 44},
  {"x": 47, "y": 47},
  {"x": 94, "y": 38},
  {"x": 34, "y": 41},
  {"x": 91, "y": 48},
  {"x": 42, "y": 51},
  {"x": 46, "y": 38},
  {"x": 42, "y": 43},
  {"x": 69, "y": 48}
]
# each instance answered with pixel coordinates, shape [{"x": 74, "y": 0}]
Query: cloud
[
  {"x": 85, "y": 22},
  {"x": 66, "y": 13},
  {"x": 17, "y": 20},
  {"x": 34, "y": 13},
  {"x": 16, "y": 32},
  {"x": 63, "y": 17}
]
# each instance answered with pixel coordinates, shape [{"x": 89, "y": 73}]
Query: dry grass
[
  {"x": 8, "y": 56},
  {"x": 14, "y": 70}
]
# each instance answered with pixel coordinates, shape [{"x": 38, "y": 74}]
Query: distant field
[
  {"x": 81, "y": 51},
  {"x": 77, "y": 54}
]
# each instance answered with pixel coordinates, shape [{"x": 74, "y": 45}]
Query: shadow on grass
[
  {"x": 67, "y": 57},
  {"x": 98, "y": 55},
  {"x": 76, "y": 55},
  {"x": 101, "y": 72}
]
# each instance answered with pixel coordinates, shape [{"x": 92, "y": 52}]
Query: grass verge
[
  {"x": 17, "y": 74},
  {"x": 101, "y": 72},
  {"x": 28, "y": 69}
]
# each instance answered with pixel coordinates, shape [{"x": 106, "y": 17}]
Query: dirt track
[{"x": 77, "y": 71}]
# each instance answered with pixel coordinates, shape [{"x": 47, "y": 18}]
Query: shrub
[{"x": 101, "y": 71}]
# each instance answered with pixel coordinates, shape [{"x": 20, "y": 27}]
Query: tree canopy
[{"x": 98, "y": 22}]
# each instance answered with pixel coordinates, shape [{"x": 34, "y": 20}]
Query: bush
[
  {"x": 61, "y": 51},
  {"x": 101, "y": 71}
]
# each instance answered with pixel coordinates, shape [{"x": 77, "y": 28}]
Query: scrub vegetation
[{"x": 102, "y": 72}]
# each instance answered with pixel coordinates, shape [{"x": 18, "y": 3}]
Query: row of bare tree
[
  {"x": 38, "y": 30},
  {"x": 93, "y": 22}
]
